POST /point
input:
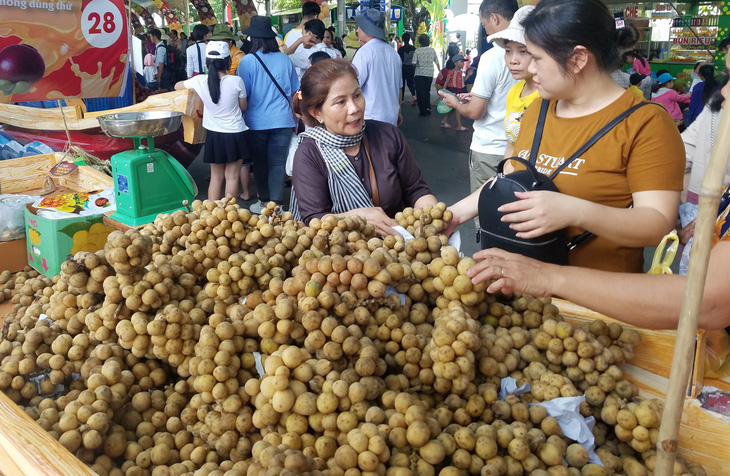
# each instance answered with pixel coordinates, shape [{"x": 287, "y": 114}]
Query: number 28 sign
[
  {"x": 101, "y": 23},
  {"x": 78, "y": 48}
]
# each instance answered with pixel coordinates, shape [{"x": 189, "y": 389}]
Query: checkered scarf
[{"x": 346, "y": 189}]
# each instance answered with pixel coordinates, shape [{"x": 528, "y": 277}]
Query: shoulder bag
[{"x": 493, "y": 233}]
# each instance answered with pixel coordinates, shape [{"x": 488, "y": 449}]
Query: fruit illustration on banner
[
  {"x": 21, "y": 66},
  {"x": 145, "y": 15},
  {"x": 205, "y": 12},
  {"x": 62, "y": 49},
  {"x": 170, "y": 17},
  {"x": 245, "y": 9}
]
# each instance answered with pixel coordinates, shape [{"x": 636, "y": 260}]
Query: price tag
[{"x": 101, "y": 23}]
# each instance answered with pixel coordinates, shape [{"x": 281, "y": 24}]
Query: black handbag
[{"x": 552, "y": 247}]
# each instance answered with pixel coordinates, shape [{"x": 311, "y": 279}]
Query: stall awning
[{"x": 296, "y": 11}]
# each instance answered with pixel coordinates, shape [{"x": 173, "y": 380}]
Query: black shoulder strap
[
  {"x": 200, "y": 58},
  {"x": 286, "y": 98},
  {"x": 538, "y": 131},
  {"x": 602, "y": 132}
]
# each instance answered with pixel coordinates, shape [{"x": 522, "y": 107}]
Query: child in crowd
[
  {"x": 224, "y": 98},
  {"x": 518, "y": 60},
  {"x": 635, "y": 80},
  {"x": 150, "y": 70},
  {"x": 668, "y": 97},
  {"x": 454, "y": 82}
]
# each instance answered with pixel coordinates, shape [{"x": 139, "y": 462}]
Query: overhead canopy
[{"x": 296, "y": 11}]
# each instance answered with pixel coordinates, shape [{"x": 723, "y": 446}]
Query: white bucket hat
[
  {"x": 217, "y": 50},
  {"x": 515, "y": 31}
]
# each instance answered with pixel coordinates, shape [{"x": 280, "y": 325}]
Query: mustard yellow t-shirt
[
  {"x": 637, "y": 91},
  {"x": 643, "y": 153},
  {"x": 516, "y": 106}
]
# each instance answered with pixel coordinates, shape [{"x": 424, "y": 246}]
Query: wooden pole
[{"x": 709, "y": 200}]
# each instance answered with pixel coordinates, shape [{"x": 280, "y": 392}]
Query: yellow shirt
[
  {"x": 636, "y": 91},
  {"x": 236, "y": 57},
  {"x": 516, "y": 106}
]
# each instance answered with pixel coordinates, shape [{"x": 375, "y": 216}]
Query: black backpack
[
  {"x": 499, "y": 190},
  {"x": 174, "y": 63}
]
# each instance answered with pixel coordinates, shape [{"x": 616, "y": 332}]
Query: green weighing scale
[{"x": 147, "y": 181}]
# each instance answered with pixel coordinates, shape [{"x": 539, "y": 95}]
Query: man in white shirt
[
  {"x": 311, "y": 42},
  {"x": 378, "y": 69},
  {"x": 487, "y": 103},
  {"x": 310, "y": 11}
]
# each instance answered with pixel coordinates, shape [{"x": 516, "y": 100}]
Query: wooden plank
[
  {"x": 26, "y": 173},
  {"x": 27, "y": 449},
  {"x": 186, "y": 101}
]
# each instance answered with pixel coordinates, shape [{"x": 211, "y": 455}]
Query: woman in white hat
[
  {"x": 518, "y": 59},
  {"x": 224, "y": 98}
]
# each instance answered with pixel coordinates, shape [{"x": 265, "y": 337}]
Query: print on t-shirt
[{"x": 546, "y": 164}]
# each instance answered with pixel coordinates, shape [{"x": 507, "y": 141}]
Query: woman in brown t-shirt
[
  {"x": 573, "y": 44},
  {"x": 345, "y": 165}
]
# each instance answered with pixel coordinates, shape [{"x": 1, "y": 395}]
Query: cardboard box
[
  {"x": 12, "y": 255},
  {"x": 50, "y": 242}
]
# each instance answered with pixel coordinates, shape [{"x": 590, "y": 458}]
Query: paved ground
[{"x": 442, "y": 156}]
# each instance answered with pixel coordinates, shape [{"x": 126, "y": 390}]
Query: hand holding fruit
[{"x": 513, "y": 273}]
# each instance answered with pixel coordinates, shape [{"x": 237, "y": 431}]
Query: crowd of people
[{"x": 548, "y": 97}]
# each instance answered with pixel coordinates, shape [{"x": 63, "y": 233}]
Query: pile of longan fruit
[{"x": 217, "y": 342}]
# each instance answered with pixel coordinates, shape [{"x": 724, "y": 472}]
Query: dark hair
[
  {"x": 246, "y": 46},
  {"x": 504, "y": 8},
  {"x": 318, "y": 56},
  {"x": 155, "y": 33},
  {"x": 468, "y": 51},
  {"x": 708, "y": 73},
  {"x": 173, "y": 31},
  {"x": 406, "y": 38},
  {"x": 661, "y": 71},
  {"x": 182, "y": 33},
  {"x": 423, "y": 39},
  {"x": 216, "y": 66},
  {"x": 635, "y": 54},
  {"x": 558, "y": 26},
  {"x": 316, "y": 84},
  {"x": 310, "y": 9},
  {"x": 724, "y": 44},
  {"x": 315, "y": 27},
  {"x": 716, "y": 99},
  {"x": 391, "y": 35},
  {"x": 266, "y": 45},
  {"x": 636, "y": 78},
  {"x": 199, "y": 32}
]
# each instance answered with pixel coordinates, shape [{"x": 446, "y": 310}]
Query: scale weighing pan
[
  {"x": 140, "y": 124},
  {"x": 147, "y": 182}
]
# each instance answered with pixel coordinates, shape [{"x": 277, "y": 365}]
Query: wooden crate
[
  {"x": 25, "y": 175},
  {"x": 703, "y": 435}
]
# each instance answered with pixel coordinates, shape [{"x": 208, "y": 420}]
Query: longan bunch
[
  {"x": 174, "y": 332},
  {"x": 451, "y": 348},
  {"x": 214, "y": 370},
  {"x": 128, "y": 251},
  {"x": 636, "y": 423},
  {"x": 339, "y": 235},
  {"x": 272, "y": 326},
  {"x": 270, "y": 460},
  {"x": 365, "y": 450},
  {"x": 7, "y": 284},
  {"x": 501, "y": 350},
  {"x": 429, "y": 221}
]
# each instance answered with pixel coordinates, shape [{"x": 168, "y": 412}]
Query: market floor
[{"x": 441, "y": 154}]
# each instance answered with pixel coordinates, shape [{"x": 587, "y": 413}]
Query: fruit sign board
[{"x": 59, "y": 49}]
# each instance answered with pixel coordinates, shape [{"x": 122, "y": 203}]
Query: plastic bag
[
  {"x": 293, "y": 144},
  {"x": 12, "y": 211},
  {"x": 664, "y": 255},
  {"x": 442, "y": 108}
]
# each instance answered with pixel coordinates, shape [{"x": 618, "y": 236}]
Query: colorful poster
[
  {"x": 205, "y": 12},
  {"x": 60, "y": 49},
  {"x": 170, "y": 17}
]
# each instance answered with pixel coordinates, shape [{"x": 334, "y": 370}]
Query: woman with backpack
[
  {"x": 224, "y": 98},
  {"x": 271, "y": 80},
  {"x": 624, "y": 189}
]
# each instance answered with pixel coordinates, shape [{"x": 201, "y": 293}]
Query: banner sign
[{"x": 60, "y": 49}]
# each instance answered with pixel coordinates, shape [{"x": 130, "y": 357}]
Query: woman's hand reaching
[
  {"x": 538, "y": 213},
  {"x": 378, "y": 218},
  {"x": 513, "y": 273}
]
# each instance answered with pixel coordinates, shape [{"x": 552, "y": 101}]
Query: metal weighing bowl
[{"x": 140, "y": 124}]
